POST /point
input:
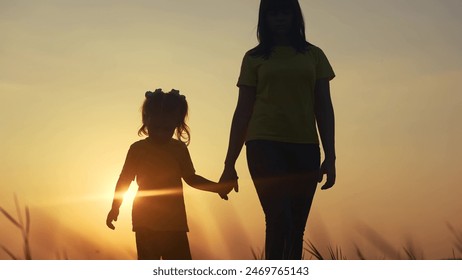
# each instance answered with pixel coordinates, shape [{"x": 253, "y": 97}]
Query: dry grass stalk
[
  {"x": 23, "y": 227},
  {"x": 313, "y": 250},
  {"x": 258, "y": 256}
]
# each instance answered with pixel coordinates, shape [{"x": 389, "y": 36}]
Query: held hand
[
  {"x": 328, "y": 168},
  {"x": 112, "y": 216},
  {"x": 223, "y": 190},
  {"x": 229, "y": 179},
  {"x": 223, "y": 195}
]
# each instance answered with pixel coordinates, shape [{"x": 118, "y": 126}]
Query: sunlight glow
[{"x": 134, "y": 192}]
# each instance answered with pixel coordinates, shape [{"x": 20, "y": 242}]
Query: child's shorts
[{"x": 166, "y": 245}]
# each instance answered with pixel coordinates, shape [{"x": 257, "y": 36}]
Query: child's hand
[
  {"x": 223, "y": 195},
  {"x": 112, "y": 216},
  {"x": 223, "y": 190}
]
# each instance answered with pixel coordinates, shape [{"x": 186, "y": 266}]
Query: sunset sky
[{"x": 72, "y": 80}]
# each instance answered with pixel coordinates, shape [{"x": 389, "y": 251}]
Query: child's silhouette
[{"x": 158, "y": 163}]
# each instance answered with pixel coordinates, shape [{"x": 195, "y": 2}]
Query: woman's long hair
[{"x": 297, "y": 31}]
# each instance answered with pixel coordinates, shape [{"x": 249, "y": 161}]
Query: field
[{"x": 379, "y": 248}]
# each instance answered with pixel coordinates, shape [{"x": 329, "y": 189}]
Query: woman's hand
[
  {"x": 112, "y": 216},
  {"x": 229, "y": 179},
  {"x": 328, "y": 168}
]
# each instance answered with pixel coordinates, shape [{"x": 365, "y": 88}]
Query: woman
[{"x": 283, "y": 94}]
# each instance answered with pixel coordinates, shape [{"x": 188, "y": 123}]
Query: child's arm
[
  {"x": 121, "y": 188},
  {"x": 126, "y": 177},
  {"x": 201, "y": 183}
]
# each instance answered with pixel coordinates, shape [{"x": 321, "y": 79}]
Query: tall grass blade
[
  {"x": 27, "y": 253},
  {"x": 16, "y": 202},
  {"x": 8, "y": 252},
  {"x": 256, "y": 256},
  {"x": 9, "y": 217},
  {"x": 331, "y": 252},
  {"x": 359, "y": 253},
  {"x": 25, "y": 233},
  {"x": 457, "y": 235},
  {"x": 313, "y": 250},
  {"x": 378, "y": 241},
  {"x": 340, "y": 254},
  {"x": 25, "y": 229},
  {"x": 65, "y": 256},
  {"x": 410, "y": 253},
  {"x": 337, "y": 254},
  {"x": 27, "y": 221}
]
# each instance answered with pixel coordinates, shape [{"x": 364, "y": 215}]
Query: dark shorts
[{"x": 166, "y": 245}]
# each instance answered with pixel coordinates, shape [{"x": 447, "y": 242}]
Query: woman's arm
[
  {"x": 324, "y": 112},
  {"x": 240, "y": 122}
]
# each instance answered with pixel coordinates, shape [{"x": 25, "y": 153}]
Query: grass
[
  {"x": 385, "y": 249},
  {"x": 23, "y": 225},
  {"x": 256, "y": 255},
  {"x": 458, "y": 238},
  {"x": 333, "y": 253},
  {"x": 336, "y": 253},
  {"x": 407, "y": 252}
]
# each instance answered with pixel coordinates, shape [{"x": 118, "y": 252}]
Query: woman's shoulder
[
  {"x": 251, "y": 51},
  {"x": 255, "y": 52},
  {"x": 315, "y": 49},
  {"x": 252, "y": 57}
]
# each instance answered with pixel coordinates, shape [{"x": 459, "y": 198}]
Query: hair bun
[
  {"x": 175, "y": 92},
  {"x": 150, "y": 94}
]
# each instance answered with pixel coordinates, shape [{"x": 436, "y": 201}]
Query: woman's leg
[
  {"x": 304, "y": 167},
  {"x": 302, "y": 194},
  {"x": 285, "y": 177},
  {"x": 267, "y": 167}
]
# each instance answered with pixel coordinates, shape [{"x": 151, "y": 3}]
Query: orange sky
[{"x": 72, "y": 79}]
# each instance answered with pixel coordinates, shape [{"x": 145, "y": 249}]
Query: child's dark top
[{"x": 158, "y": 169}]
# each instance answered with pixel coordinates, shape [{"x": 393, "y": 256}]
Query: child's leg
[
  {"x": 175, "y": 246},
  {"x": 148, "y": 245}
]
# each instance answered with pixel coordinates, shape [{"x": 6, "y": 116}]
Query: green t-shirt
[{"x": 284, "y": 106}]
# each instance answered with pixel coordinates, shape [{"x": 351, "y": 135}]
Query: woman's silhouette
[
  {"x": 283, "y": 94},
  {"x": 158, "y": 163}
]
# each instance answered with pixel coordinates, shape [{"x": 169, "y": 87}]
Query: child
[{"x": 158, "y": 163}]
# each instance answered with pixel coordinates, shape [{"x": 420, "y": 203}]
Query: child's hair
[{"x": 159, "y": 104}]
